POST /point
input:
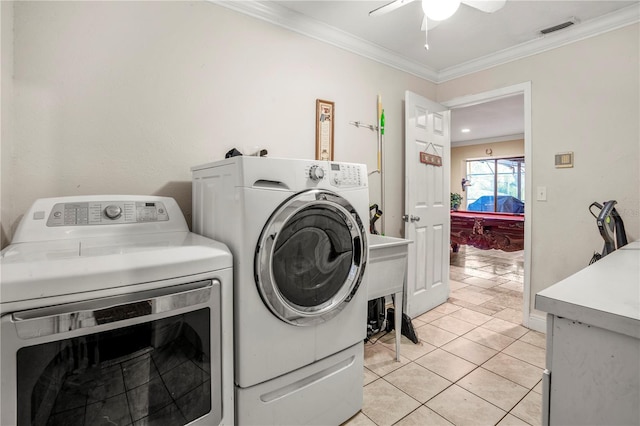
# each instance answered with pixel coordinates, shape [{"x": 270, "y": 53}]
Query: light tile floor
[{"x": 475, "y": 364}]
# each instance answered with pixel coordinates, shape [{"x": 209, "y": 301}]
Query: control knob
[
  {"x": 113, "y": 211},
  {"x": 316, "y": 173}
]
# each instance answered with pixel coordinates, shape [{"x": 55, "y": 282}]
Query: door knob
[{"x": 410, "y": 218}]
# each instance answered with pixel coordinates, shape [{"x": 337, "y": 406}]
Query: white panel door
[{"x": 427, "y": 204}]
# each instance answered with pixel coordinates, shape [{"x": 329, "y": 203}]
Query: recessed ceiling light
[{"x": 465, "y": 130}]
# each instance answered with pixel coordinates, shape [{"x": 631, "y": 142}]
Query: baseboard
[{"x": 538, "y": 323}]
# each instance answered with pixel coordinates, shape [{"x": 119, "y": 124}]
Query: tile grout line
[
  {"x": 505, "y": 262},
  {"x": 528, "y": 389}
]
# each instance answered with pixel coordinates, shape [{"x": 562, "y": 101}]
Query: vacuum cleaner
[
  {"x": 376, "y": 321},
  {"x": 611, "y": 228},
  {"x": 375, "y": 316},
  {"x": 374, "y": 214},
  {"x": 406, "y": 328}
]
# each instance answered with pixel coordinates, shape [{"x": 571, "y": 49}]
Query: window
[{"x": 497, "y": 185}]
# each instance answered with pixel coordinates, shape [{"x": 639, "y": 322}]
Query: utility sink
[
  {"x": 387, "y": 269},
  {"x": 387, "y": 265}
]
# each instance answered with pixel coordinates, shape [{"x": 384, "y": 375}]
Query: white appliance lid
[
  {"x": 72, "y": 245},
  {"x": 56, "y": 268}
]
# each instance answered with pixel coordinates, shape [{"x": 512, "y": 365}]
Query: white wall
[
  {"x": 585, "y": 99},
  {"x": 6, "y": 115},
  {"x": 124, "y": 97}
]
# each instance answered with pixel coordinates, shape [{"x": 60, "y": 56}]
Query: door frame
[{"x": 534, "y": 322}]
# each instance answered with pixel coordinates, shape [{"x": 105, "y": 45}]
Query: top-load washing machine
[
  {"x": 297, "y": 232},
  {"x": 113, "y": 313}
]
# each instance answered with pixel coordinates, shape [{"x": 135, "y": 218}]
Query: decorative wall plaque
[{"x": 324, "y": 129}]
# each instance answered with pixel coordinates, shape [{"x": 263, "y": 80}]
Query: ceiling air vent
[{"x": 559, "y": 27}]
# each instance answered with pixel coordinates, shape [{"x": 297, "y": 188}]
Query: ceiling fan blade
[
  {"x": 432, "y": 24},
  {"x": 389, "y": 7},
  {"x": 488, "y": 6}
]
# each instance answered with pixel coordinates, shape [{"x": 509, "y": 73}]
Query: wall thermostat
[{"x": 564, "y": 160}]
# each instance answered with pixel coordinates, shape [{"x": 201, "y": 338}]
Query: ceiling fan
[{"x": 439, "y": 10}]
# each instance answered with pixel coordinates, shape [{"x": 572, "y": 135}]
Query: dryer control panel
[
  {"x": 106, "y": 212},
  {"x": 60, "y": 218}
]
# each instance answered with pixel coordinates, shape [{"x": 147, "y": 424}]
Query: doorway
[{"x": 523, "y": 89}]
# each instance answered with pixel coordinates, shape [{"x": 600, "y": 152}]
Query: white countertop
[{"x": 605, "y": 294}]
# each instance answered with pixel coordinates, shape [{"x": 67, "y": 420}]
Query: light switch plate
[{"x": 541, "y": 193}]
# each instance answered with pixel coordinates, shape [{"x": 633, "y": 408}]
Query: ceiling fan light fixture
[{"x": 439, "y": 10}]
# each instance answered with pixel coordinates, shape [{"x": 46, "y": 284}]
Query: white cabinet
[{"x": 593, "y": 343}]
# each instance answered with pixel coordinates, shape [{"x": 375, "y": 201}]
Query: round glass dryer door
[{"x": 310, "y": 257}]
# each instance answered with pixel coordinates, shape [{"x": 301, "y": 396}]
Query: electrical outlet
[{"x": 541, "y": 193}]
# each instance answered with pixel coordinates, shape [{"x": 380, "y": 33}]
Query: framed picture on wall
[{"x": 325, "y": 111}]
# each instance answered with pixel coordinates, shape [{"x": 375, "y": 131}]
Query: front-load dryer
[
  {"x": 297, "y": 232},
  {"x": 112, "y": 312}
]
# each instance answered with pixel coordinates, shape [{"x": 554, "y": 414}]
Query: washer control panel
[
  {"x": 339, "y": 175},
  {"x": 106, "y": 213},
  {"x": 316, "y": 173},
  {"x": 343, "y": 175}
]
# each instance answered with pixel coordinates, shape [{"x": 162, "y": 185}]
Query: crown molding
[
  {"x": 294, "y": 21},
  {"x": 609, "y": 22}
]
